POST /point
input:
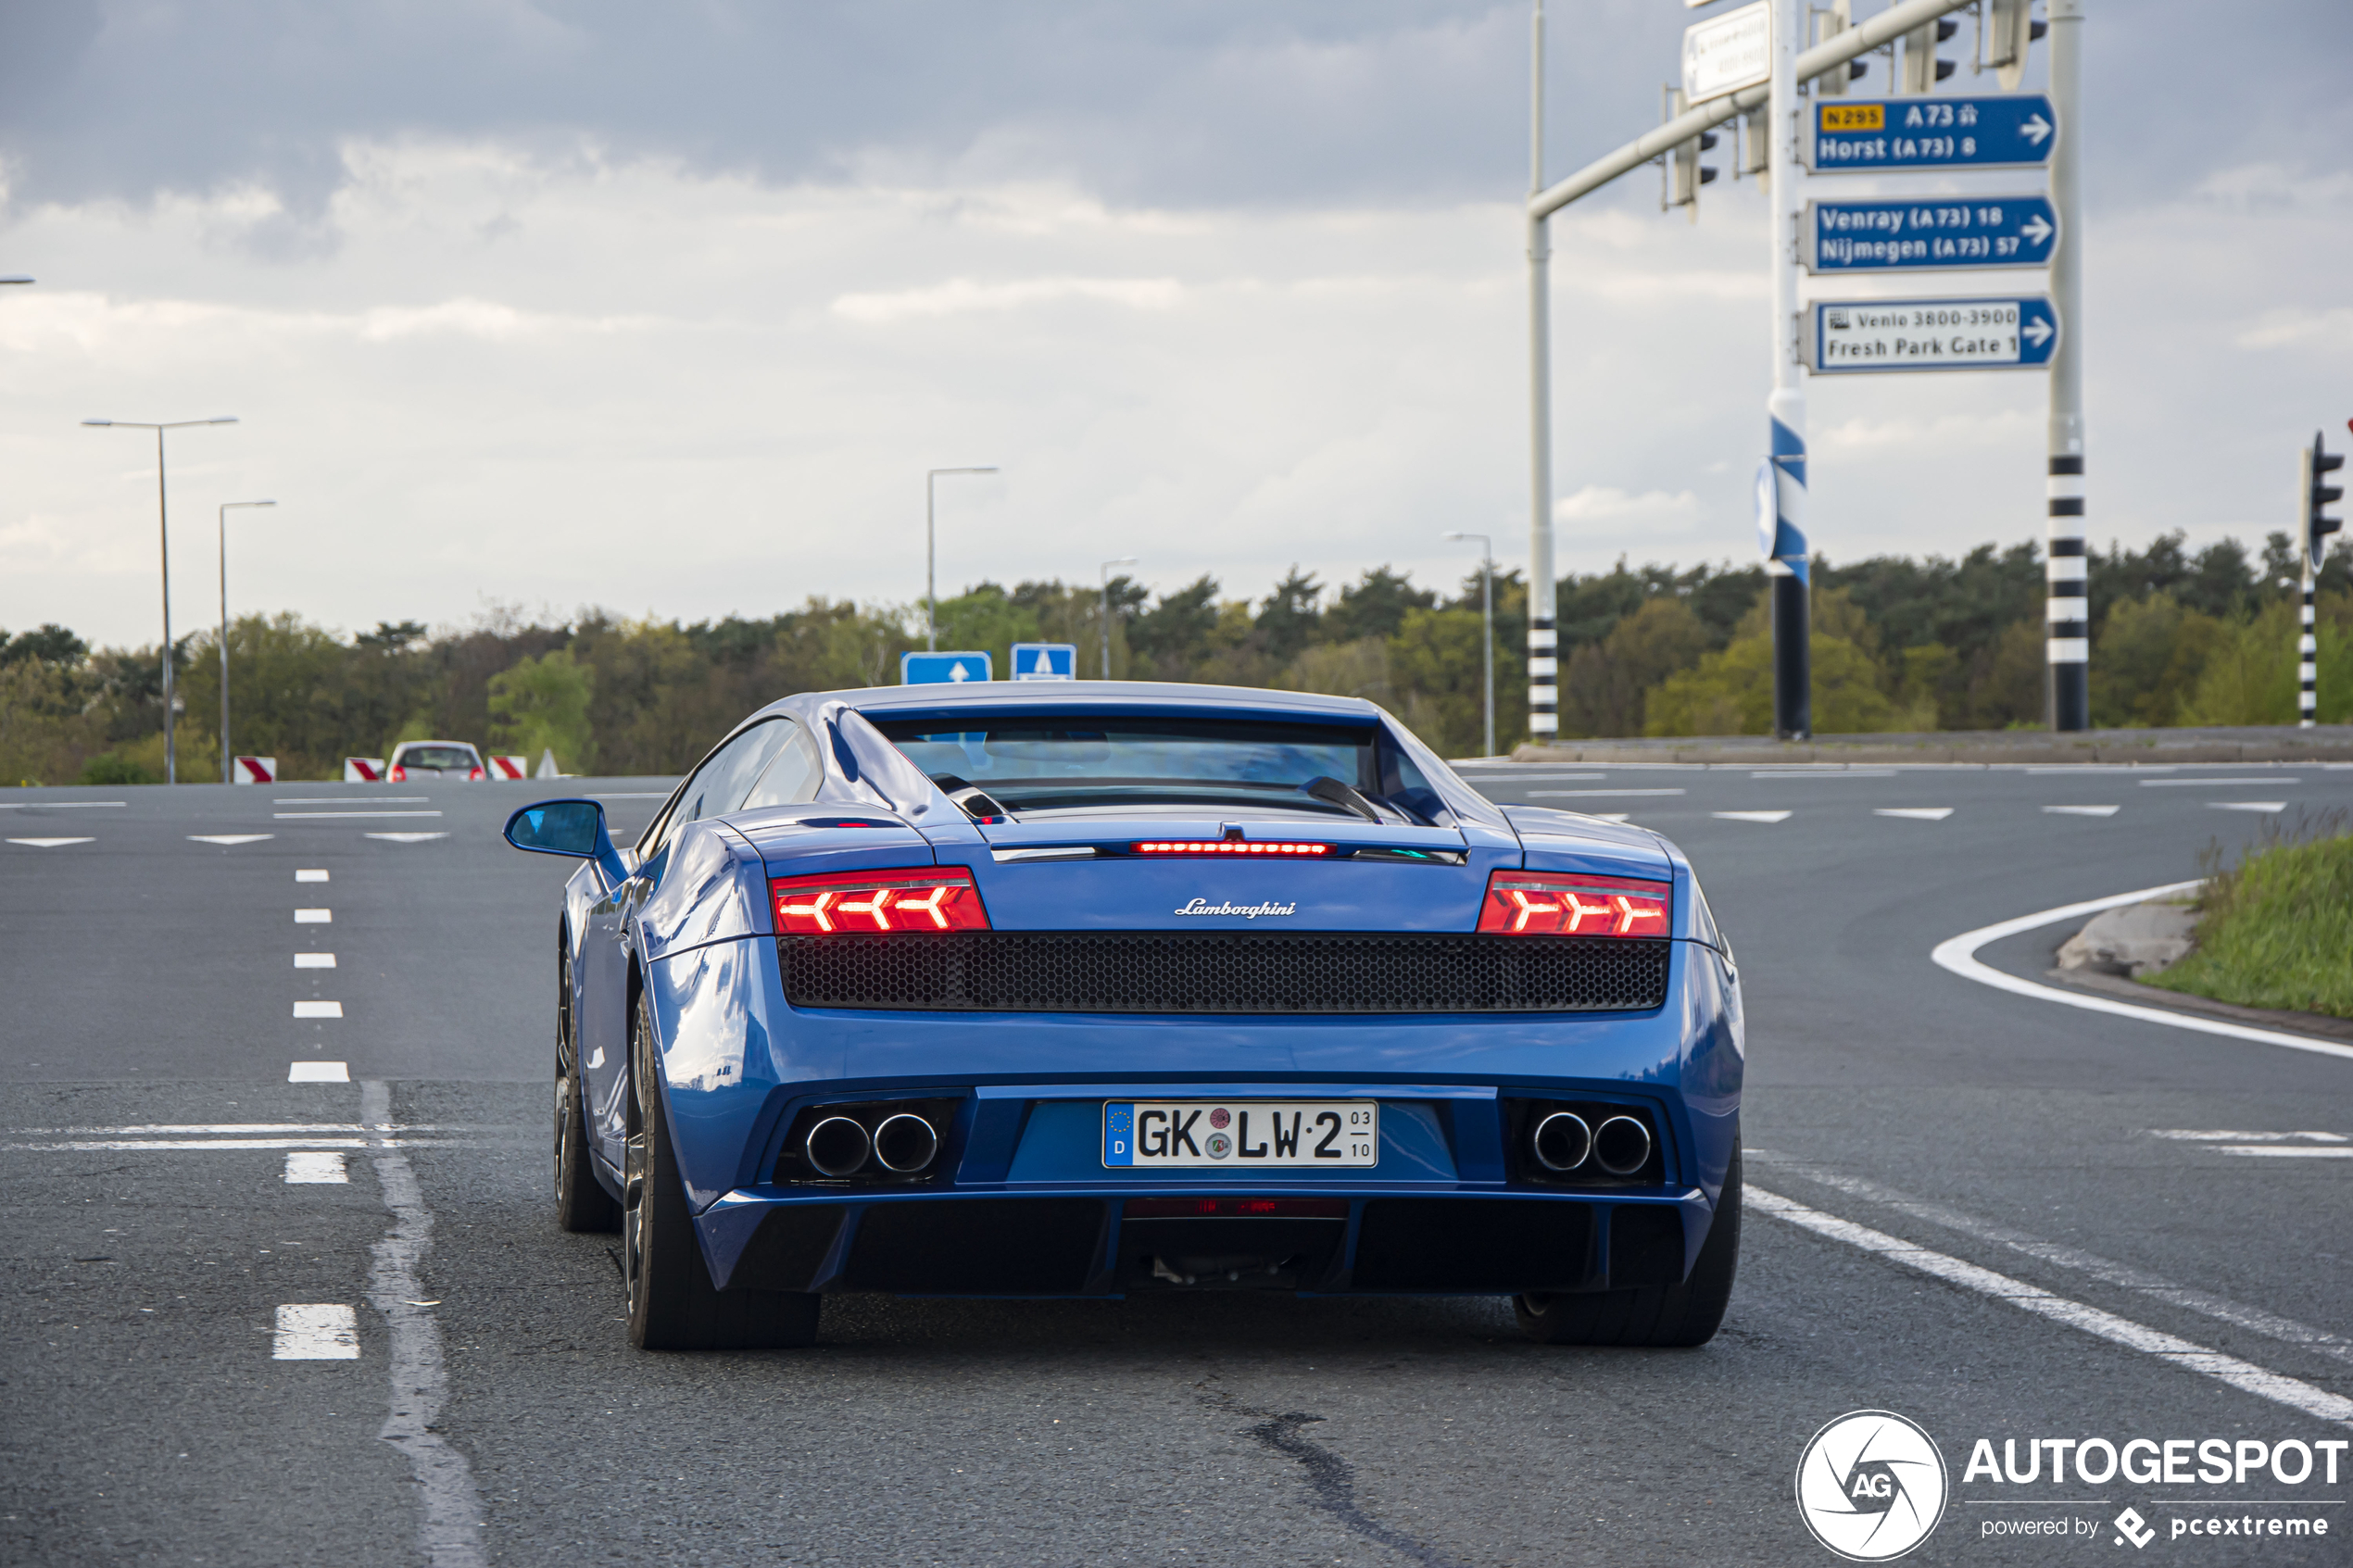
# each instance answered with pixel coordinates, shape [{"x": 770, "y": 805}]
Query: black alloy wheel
[
  {"x": 582, "y": 1202},
  {"x": 1657, "y": 1315},
  {"x": 673, "y": 1305}
]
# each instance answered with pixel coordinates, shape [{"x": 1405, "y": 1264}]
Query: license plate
[{"x": 1290, "y": 1134}]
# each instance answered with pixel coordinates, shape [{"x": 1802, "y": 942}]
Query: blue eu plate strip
[{"x": 1119, "y": 1130}]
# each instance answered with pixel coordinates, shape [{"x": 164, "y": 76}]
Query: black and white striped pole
[
  {"x": 1543, "y": 650},
  {"x": 1785, "y": 468},
  {"x": 2314, "y": 494},
  {"x": 2068, "y": 626}
]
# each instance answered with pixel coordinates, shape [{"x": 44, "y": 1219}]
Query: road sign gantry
[{"x": 1910, "y": 135}]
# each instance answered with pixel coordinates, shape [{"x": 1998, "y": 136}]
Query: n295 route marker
[
  {"x": 2016, "y": 334},
  {"x": 1873, "y": 135},
  {"x": 1929, "y": 232}
]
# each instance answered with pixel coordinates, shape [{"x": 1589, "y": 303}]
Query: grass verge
[{"x": 2276, "y": 930}]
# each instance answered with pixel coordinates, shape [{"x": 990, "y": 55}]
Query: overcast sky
[{"x": 667, "y": 309}]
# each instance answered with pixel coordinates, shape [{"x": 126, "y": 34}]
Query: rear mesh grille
[{"x": 1187, "y": 972}]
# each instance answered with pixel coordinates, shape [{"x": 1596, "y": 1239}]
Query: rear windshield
[
  {"x": 1039, "y": 764},
  {"x": 437, "y": 757}
]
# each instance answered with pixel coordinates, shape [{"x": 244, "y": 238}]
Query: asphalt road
[{"x": 1962, "y": 1210}]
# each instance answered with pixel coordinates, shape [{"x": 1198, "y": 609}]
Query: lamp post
[
  {"x": 227, "y": 763},
  {"x": 1487, "y": 626},
  {"x": 163, "y": 528},
  {"x": 931, "y": 554},
  {"x": 1123, "y": 560}
]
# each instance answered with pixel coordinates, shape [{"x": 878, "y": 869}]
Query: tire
[
  {"x": 582, "y": 1202},
  {"x": 671, "y": 1303},
  {"x": 1661, "y": 1316}
]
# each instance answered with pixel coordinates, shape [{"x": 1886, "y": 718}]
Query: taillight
[
  {"x": 475, "y": 774},
  {"x": 870, "y": 901},
  {"x": 1568, "y": 904},
  {"x": 1225, "y": 847},
  {"x": 400, "y": 775}
]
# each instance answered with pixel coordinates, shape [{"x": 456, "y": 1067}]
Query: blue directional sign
[
  {"x": 1871, "y": 136},
  {"x": 1848, "y": 336},
  {"x": 1932, "y": 232},
  {"x": 924, "y": 669},
  {"x": 1045, "y": 661}
]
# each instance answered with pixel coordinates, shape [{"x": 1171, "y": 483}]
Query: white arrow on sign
[
  {"x": 2037, "y": 128},
  {"x": 2035, "y": 229},
  {"x": 956, "y": 671},
  {"x": 2036, "y": 331}
]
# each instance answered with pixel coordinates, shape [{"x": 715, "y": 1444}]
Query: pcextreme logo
[{"x": 1871, "y": 1485}]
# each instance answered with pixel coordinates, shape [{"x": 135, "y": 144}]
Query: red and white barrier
[
  {"x": 255, "y": 770},
  {"x": 363, "y": 770},
  {"x": 511, "y": 767}
]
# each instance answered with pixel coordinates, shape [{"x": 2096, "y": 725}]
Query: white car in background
[{"x": 414, "y": 761}]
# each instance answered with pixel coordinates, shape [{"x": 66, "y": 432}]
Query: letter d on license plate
[{"x": 1290, "y": 1134}]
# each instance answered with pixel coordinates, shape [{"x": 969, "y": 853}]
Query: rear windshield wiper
[
  {"x": 1324, "y": 788},
  {"x": 975, "y": 802}
]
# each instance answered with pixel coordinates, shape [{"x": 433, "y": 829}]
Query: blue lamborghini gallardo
[{"x": 1107, "y": 989}]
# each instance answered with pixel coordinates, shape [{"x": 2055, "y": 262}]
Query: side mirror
[{"x": 575, "y": 829}]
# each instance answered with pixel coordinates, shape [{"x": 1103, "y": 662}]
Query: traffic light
[
  {"x": 2319, "y": 496},
  {"x": 2008, "y": 31},
  {"x": 1923, "y": 70},
  {"x": 1685, "y": 174}
]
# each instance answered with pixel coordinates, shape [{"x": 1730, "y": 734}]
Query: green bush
[
  {"x": 2277, "y": 931},
  {"x": 113, "y": 768}
]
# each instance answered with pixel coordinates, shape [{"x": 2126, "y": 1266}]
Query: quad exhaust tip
[
  {"x": 838, "y": 1145},
  {"x": 1621, "y": 1146},
  {"x": 904, "y": 1144},
  {"x": 1563, "y": 1140}
]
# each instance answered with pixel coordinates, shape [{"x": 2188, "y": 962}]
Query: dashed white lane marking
[
  {"x": 315, "y": 1169},
  {"x": 50, "y": 843},
  {"x": 314, "y": 960},
  {"x": 1485, "y": 778},
  {"x": 314, "y": 917},
  {"x": 1960, "y": 954},
  {"x": 1752, "y": 816},
  {"x": 1916, "y": 813},
  {"x": 348, "y": 800},
  {"x": 345, "y": 816},
  {"x": 2082, "y": 810},
  {"x": 1592, "y": 794},
  {"x": 317, "y": 1009},
  {"x": 1612, "y": 816},
  {"x": 316, "y": 1330},
  {"x": 311, "y": 873},
  {"x": 2257, "y": 781},
  {"x": 319, "y": 1072},
  {"x": 2245, "y": 1376},
  {"x": 404, "y": 837},
  {"x": 2204, "y": 1135},
  {"x": 230, "y": 840},
  {"x": 450, "y": 1532},
  {"x": 1824, "y": 770},
  {"x": 2247, "y": 805},
  {"x": 2281, "y": 1151},
  {"x": 71, "y": 805},
  {"x": 2107, "y": 1270}
]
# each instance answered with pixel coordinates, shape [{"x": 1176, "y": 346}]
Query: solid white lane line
[
  {"x": 101, "y": 1144},
  {"x": 450, "y": 1533},
  {"x": 2200, "y": 1135},
  {"x": 2105, "y": 1270},
  {"x": 304, "y": 1170},
  {"x": 1752, "y": 816},
  {"x": 2247, "y": 805},
  {"x": 314, "y": 917},
  {"x": 350, "y": 799},
  {"x": 316, "y": 1330},
  {"x": 317, "y": 1009},
  {"x": 1611, "y": 816},
  {"x": 343, "y": 816},
  {"x": 230, "y": 839},
  {"x": 161, "y": 1128},
  {"x": 314, "y": 960},
  {"x": 1960, "y": 954},
  {"x": 2082, "y": 810},
  {"x": 310, "y": 874},
  {"x": 71, "y": 805},
  {"x": 50, "y": 843},
  {"x": 1829, "y": 771},
  {"x": 319, "y": 1072},
  {"x": 1917, "y": 814},
  {"x": 1516, "y": 778},
  {"x": 1592, "y": 794},
  {"x": 2245, "y": 1376},
  {"x": 2255, "y": 781},
  {"x": 2284, "y": 1151},
  {"x": 405, "y": 837}
]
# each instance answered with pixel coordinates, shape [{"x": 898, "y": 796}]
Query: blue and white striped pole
[{"x": 1785, "y": 547}]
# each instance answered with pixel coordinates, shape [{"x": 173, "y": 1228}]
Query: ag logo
[{"x": 1871, "y": 1485}]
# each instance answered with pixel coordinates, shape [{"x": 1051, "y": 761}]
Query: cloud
[
  {"x": 961, "y": 296},
  {"x": 2327, "y": 331}
]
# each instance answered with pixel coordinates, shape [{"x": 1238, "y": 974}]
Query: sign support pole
[
  {"x": 2067, "y": 611},
  {"x": 1793, "y": 663},
  {"x": 1543, "y": 662}
]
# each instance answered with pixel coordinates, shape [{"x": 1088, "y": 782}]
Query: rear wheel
[
  {"x": 1672, "y": 1315},
  {"x": 582, "y": 1202},
  {"x": 671, "y": 1303}
]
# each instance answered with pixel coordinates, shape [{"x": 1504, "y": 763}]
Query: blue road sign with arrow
[
  {"x": 924, "y": 669},
  {"x": 1870, "y": 136},
  {"x": 1929, "y": 232},
  {"x": 1045, "y": 661},
  {"x": 1848, "y": 336}
]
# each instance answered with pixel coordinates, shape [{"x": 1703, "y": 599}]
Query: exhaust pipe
[
  {"x": 1621, "y": 1146},
  {"x": 905, "y": 1142},
  {"x": 1562, "y": 1141},
  {"x": 837, "y": 1147}
]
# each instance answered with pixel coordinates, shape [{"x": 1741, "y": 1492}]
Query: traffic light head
[{"x": 2319, "y": 496}]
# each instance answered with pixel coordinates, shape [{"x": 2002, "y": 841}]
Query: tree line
[{"x": 1899, "y": 644}]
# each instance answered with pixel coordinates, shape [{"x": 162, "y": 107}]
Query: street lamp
[
  {"x": 1487, "y": 626},
  {"x": 1123, "y": 560},
  {"x": 163, "y": 526},
  {"x": 227, "y": 762},
  {"x": 931, "y": 554}
]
